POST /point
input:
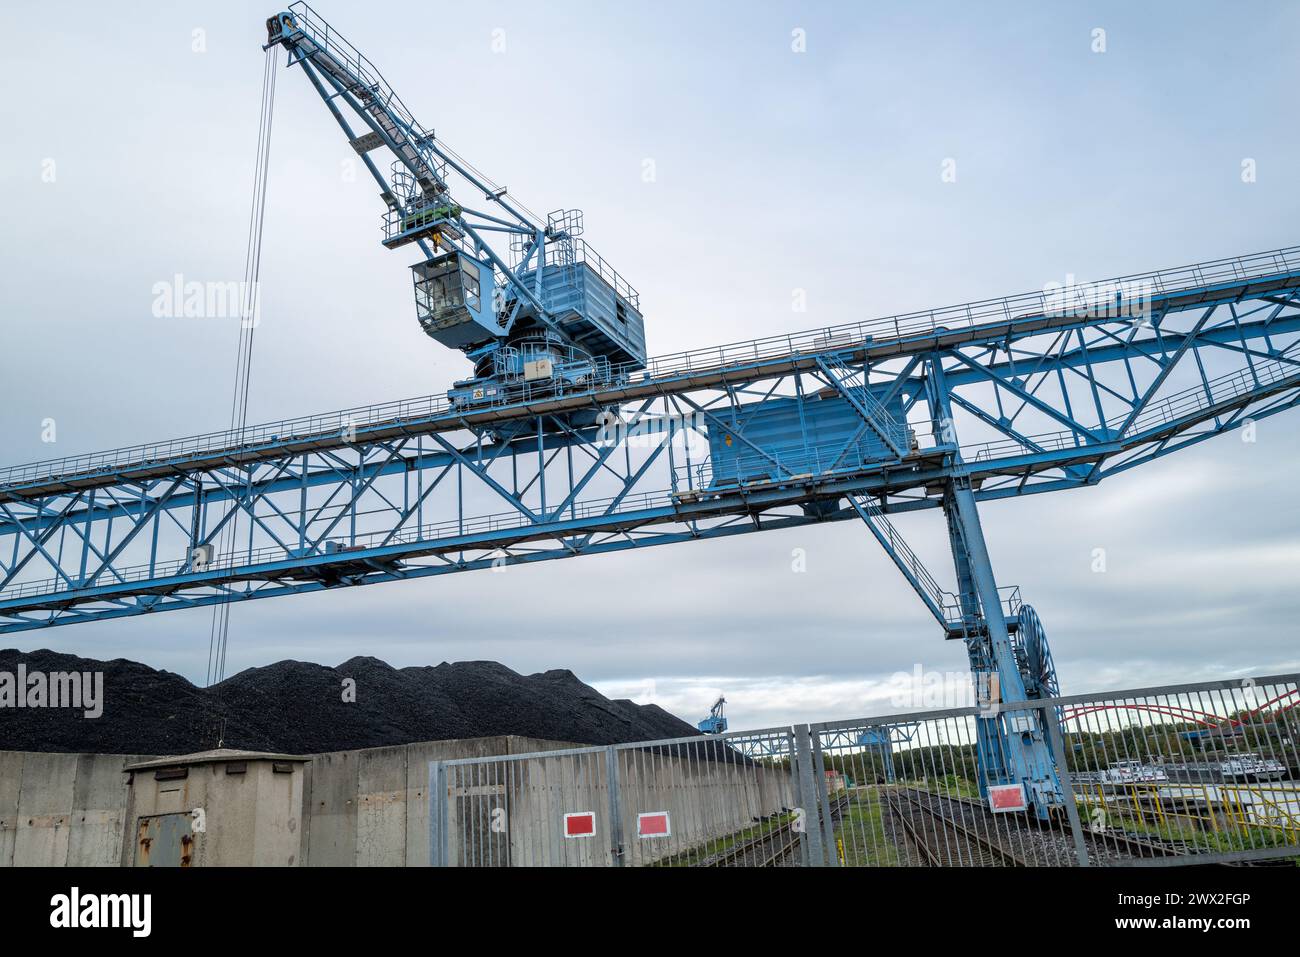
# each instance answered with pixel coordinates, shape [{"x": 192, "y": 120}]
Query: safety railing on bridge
[
  {"x": 1076, "y": 299},
  {"x": 1272, "y": 373},
  {"x": 831, "y": 338},
  {"x": 1183, "y": 774}
]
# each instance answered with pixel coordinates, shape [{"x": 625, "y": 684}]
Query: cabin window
[{"x": 470, "y": 275}]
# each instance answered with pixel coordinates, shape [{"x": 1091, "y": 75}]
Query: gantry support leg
[{"x": 1011, "y": 746}]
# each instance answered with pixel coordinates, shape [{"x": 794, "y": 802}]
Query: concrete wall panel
[
  {"x": 381, "y": 807},
  {"x": 45, "y": 809},
  {"x": 98, "y": 810},
  {"x": 332, "y": 822},
  {"x": 11, "y": 779}
]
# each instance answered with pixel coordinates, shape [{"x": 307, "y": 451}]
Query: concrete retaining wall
[
  {"x": 364, "y": 807},
  {"x": 58, "y": 809},
  {"x": 371, "y": 807}
]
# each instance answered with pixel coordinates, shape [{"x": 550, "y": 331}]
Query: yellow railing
[{"x": 1214, "y": 808}]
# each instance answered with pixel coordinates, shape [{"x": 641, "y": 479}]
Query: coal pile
[{"x": 298, "y": 708}]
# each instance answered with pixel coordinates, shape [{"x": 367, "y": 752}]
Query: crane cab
[
  {"x": 716, "y": 722},
  {"x": 453, "y": 300}
]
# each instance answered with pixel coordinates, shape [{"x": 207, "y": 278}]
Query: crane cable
[{"x": 249, "y": 306}]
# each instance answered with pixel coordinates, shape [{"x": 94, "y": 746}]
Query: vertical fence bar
[
  {"x": 611, "y": 784},
  {"x": 1052, "y": 727},
  {"x": 823, "y": 803},
  {"x": 615, "y": 807},
  {"x": 812, "y": 834},
  {"x": 437, "y": 793}
]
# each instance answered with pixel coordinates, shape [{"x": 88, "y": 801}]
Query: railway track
[
  {"x": 941, "y": 839},
  {"x": 962, "y": 832},
  {"x": 937, "y": 830},
  {"x": 1106, "y": 843},
  {"x": 772, "y": 848}
]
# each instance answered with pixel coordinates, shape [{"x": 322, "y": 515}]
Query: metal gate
[{"x": 1182, "y": 774}]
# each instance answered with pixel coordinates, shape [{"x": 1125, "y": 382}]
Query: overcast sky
[{"x": 774, "y": 170}]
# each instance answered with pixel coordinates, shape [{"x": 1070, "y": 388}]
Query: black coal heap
[{"x": 298, "y": 708}]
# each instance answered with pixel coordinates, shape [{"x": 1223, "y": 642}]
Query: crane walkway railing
[
  {"x": 940, "y": 601},
  {"x": 318, "y": 30},
  {"x": 1277, "y": 263},
  {"x": 1077, "y": 299},
  {"x": 1227, "y": 389},
  {"x": 381, "y": 94},
  {"x": 854, "y": 384}
]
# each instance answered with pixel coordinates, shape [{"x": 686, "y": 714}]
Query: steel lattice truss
[{"x": 1028, "y": 394}]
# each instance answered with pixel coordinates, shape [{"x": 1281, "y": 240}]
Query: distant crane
[
  {"x": 567, "y": 439},
  {"x": 716, "y": 722}
]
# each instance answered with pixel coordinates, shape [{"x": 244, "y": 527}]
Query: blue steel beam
[
  {"x": 922, "y": 333},
  {"x": 297, "y": 502}
]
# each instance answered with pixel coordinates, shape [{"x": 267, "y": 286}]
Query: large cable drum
[{"x": 1035, "y": 657}]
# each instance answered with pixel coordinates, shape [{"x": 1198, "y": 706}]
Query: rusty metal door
[{"x": 164, "y": 840}]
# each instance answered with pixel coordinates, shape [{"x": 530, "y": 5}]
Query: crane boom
[{"x": 545, "y": 311}]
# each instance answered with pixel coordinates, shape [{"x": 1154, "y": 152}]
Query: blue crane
[
  {"x": 567, "y": 439},
  {"x": 539, "y": 311},
  {"x": 716, "y": 722}
]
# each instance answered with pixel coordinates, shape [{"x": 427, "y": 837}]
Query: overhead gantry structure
[{"x": 569, "y": 441}]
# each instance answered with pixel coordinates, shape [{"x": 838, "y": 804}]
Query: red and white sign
[
  {"x": 653, "y": 824},
  {"x": 580, "y": 824},
  {"x": 1007, "y": 797}
]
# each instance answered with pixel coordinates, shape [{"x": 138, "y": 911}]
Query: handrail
[
  {"x": 317, "y": 28},
  {"x": 320, "y": 32},
  {"x": 1168, "y": 410},
  {"x": 1281, "y": 262},
  {"x": 942, "y": 598}
]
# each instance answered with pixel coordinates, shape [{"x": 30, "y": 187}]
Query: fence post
[
  {"x": 796, "y": 789},
  {"x": 812, "y": 833},
  {"x": 823, "y": 798},
  {"x": 437, "y": 793},
  {"x": 1055, "y": 739},
  {"x": 615, "y": 807}
]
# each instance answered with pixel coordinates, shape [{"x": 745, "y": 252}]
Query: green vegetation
[
  {"x": 1088, "y": 750},
  {"x": 947, "y": 762},
  {"x": 1204, "y": 831},
  {"x": 721, "y": 845},
  {"x": 860, "y": 832}
]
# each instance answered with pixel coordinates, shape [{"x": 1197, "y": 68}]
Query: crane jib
[{"x": 548, "y": 294}]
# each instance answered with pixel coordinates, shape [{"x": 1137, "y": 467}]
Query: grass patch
[
  {"x": 860, "y": 831},
  {"x": 721, "y": 845}
]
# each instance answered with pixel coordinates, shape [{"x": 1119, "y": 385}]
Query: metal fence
[{"x": 1186, "y": 774}]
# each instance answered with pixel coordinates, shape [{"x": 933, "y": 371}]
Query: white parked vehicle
[
  {"x": 1133, "y": 772},
  {"x": 1252, "y": 767}
]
